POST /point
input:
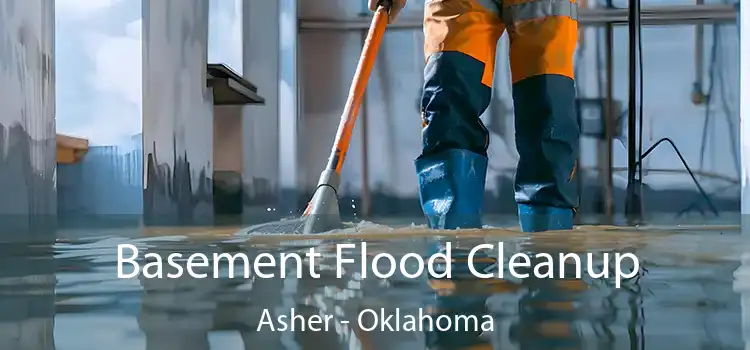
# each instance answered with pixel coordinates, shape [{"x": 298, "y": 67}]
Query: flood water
[{"x": 66, "y": 295}]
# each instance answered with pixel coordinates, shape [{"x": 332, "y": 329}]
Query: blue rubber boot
[
  {"x": 451, "y": 188},
  {"x": 451, "y": 192},
  {"x": 535, "y": 218}
]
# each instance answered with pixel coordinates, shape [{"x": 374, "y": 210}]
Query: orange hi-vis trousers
[{"x": 461, "y": 37}]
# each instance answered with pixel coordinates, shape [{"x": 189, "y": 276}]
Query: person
[{"x": 461, "y": 37}]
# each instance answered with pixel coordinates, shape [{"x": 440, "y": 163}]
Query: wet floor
[{"x": 67, "y": 296}]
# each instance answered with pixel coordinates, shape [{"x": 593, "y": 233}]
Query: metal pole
[
  {"x": 605, "y": 150},
  {"x": 698, "y": 96},
  {"x": 632, "y": 201}
]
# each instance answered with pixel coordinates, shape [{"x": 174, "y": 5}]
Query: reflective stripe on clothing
[{"x": 514, "y": 11}]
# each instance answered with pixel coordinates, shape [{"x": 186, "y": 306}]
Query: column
[
  {"x": 744, "y": 26},
  {"x": 270, "y": 131},
  {"x": 27, "y": 117},
  {"x": 288, "y": 106},
  {"x": 742, "y": 275},
  {"x": 177, "y": 113}
]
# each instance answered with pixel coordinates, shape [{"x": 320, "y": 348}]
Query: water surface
[{"x": 66, "y": 295}]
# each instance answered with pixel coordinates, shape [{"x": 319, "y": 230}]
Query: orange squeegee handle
[{"x": 357, "y": 89}]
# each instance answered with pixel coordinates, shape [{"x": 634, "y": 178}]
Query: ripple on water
[{"x": 685, "y": 299}]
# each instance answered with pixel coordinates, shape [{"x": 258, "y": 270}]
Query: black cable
[
  {"x": 687, "y": 168},
  {"x": 635, "y": 31}
]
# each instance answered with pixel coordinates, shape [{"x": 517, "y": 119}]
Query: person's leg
[
  {"x": 543, "y": 36},
  {"x": 460, "y": 41}
]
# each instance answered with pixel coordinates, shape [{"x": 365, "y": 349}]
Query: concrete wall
[
  {"x": 228, "y": 154},
  {"x": 228, "y": 136},
  {"x": 27, "y": 115},
  {"x": 177, "y": 112}
]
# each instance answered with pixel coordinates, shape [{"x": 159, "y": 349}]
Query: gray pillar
[
  {"x": 744, "y": 24},
  {"x": 742, "y": 276},
  {"x": 260, "y": 49},
  {"x": 27, "y": 116},
  {"x": 288, "y": 105},
  {"x": 28, "y": 198},
  {"x": 177, "y": 113},
  {"x": 270, "y": 165}
]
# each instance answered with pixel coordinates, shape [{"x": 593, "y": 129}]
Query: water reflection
[
  {"x": 27, "y": 296},
  {"x": 684, "y": 299}
]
